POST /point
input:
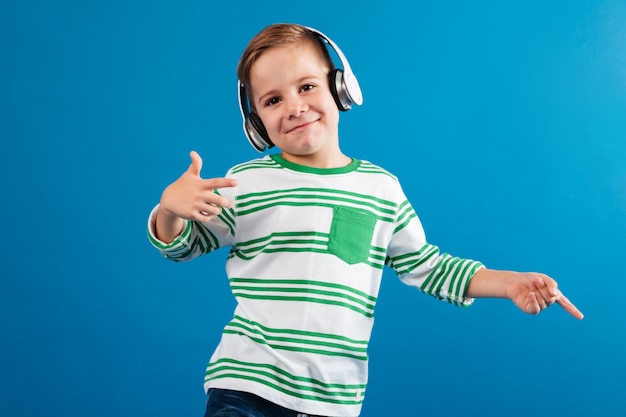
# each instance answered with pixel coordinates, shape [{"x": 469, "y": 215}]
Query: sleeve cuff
[
  {"x": 181, "y": 240},
  {"x": 467, "y": 301}
]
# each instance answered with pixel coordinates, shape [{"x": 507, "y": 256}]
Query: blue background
[{"x": 505, "y": 121}]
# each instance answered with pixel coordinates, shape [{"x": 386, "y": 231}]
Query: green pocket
[{"x": 351, "y": 234}]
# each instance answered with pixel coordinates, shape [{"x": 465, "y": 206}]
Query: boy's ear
[
  {"x": 338, "y": 90},
  {"x": 252, "y": 124},
  {"x": 257, "y": 134}
]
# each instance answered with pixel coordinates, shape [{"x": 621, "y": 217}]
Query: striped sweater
[{"x": 307, "y": 251}]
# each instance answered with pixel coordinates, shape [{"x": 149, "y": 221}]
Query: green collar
[{"x": 352, "y": 166}]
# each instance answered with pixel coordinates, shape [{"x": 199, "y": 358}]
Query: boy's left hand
[{"x": 533, "y": 292}]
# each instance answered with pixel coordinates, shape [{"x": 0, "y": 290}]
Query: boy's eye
[
  {"x": 272, "y": 101},
  {"x": 307, "y": 87}
]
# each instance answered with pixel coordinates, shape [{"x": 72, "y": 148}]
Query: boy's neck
[{"x": 337, "y": 160}]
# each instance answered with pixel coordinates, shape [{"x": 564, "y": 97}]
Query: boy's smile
[{"x": 290, "y": 93}]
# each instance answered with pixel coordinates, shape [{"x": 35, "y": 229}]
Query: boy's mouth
[{"x": 301, "y": 126}]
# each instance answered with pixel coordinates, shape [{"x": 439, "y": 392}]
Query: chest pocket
[{"x": 351, "y": 234}]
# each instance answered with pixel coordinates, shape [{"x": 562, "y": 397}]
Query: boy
[{"x": 310, "y": 230}]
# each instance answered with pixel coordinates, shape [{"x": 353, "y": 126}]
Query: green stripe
[
  {"x": 312, "y": 382},
  {"x": 266, "y": 340},
  {"x": 405, "y": 223},
  {"x": 462, "y": 284},
  {"x": 275, "y": 243},
  {"x": 449, "y": 271},
  {"x": 302, "y": 333},
  {"x": 435, "y": 274},
  {"x": 282, "y": 234},
  {"x": 175, "y": 243},
  {"x": 260, "y": 340},
  {"x": 278, "y": 250},
  {"x": 455, "y": 286},
  {"x": 227, "y": 216},
  {"x": 300, "y": 387},
  {"x": 369, "y": 168},
  {"x": 363, "y": 312},
  {"x": 304, "y": 282},
  {"x": 455, "y": 272},
  {"x": 407, "y": 263},
  {"x": 275, "y": 239},
  {"x": 406, "y": 214},
  {"x": 317, "y": 190},
  {"x": 304, "y": 290},
  {"x": 256, "y": 164},
  {"x": 284, "y": 390},
  {"x": 287, "y": 242},
  {"x": 205, "y": 239},
  {"x": 321, "y": 193},
  {"x": 379, "y": 264},
  {"x": 275, "y": 203}
]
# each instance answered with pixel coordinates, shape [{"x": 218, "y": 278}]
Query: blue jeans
[{"x": 228, "y": 403}]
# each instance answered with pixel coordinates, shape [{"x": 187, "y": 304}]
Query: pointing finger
[
  {"x": 217, "y": 183},
  {"x": 567, "y": 305}
]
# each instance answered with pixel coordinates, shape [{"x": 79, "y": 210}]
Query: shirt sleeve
[
  {"x": 423, "y": 266},
  {"x": 196, "y": 239}
]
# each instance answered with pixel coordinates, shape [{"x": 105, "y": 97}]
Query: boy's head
[
  {"x": 297, "y": 39},
  {"x": 279, "y": 35}
]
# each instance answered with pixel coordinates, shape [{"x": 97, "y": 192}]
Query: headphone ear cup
[
  {"x": 338, "y": 90},
  {"x": 257, "y": 133}
]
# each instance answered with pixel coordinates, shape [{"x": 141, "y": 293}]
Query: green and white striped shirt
[{"x": 308, "y": 247}]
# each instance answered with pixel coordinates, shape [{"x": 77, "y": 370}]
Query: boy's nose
[{"x": 296, "y": 107}]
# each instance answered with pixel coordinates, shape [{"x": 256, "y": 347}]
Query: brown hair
[{"x": 280, "y": 34}]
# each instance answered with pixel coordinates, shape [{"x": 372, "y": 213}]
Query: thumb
[{"x": 196, "y": 164}]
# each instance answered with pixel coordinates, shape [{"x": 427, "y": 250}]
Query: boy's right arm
[{"x": 189, "y": 198}]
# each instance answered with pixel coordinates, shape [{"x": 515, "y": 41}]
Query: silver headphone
[{"x": 344, "y": 88}]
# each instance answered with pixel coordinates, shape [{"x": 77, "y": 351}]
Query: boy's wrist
[
  {"x": 490, "y": 283},
  {"x": 167, "y": 225}
]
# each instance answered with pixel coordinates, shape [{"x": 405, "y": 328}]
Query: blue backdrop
[{"x": 515, "y": 111}]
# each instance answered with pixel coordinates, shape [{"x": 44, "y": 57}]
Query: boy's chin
[{"x": 302, "y": 147}]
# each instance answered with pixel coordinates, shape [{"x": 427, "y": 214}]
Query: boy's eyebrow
[{"x": 267, "y": 94}]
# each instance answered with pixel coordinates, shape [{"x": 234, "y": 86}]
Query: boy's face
[{"x": 290, "y": 93}]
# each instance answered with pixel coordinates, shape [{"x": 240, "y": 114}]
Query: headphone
[{"x": 344, "y": 88}]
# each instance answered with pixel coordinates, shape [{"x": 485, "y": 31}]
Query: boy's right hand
[{"x": 191, "y": 198}]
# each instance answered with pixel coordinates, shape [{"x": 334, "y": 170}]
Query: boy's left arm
[{"x": 530, "y": 291}]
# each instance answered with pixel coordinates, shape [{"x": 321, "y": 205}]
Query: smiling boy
[
  {"x": 289, "y": 90},
  {"x": 310, "y": 231}
]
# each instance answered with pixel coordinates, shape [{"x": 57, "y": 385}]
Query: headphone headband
[
  {"x": 344, "y": 88},
  {"x": 352, "y": 85}
]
